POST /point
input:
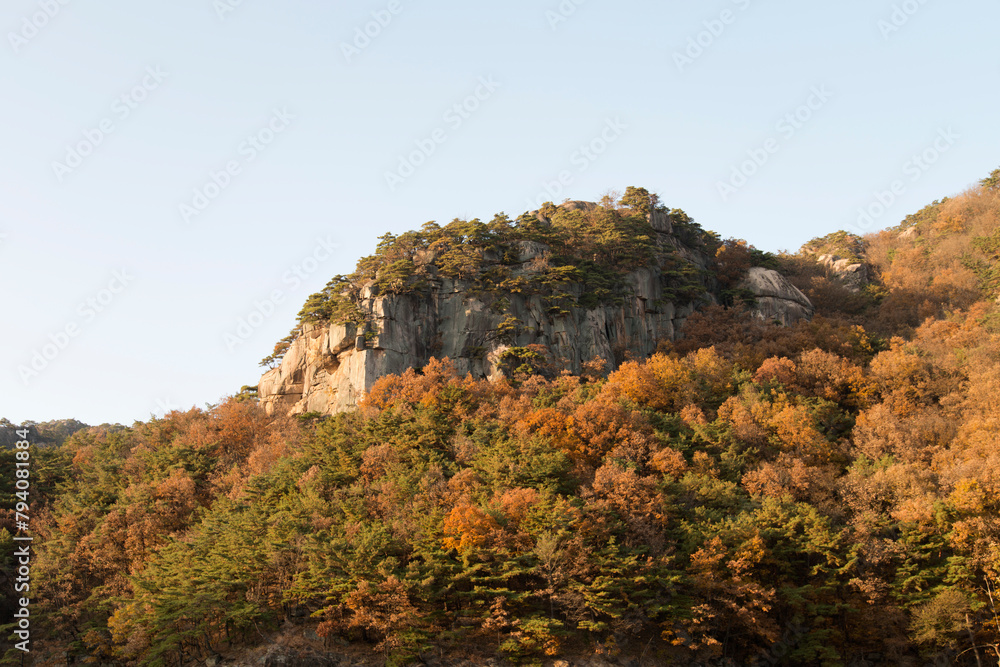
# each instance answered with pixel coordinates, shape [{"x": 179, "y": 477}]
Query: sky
[{"x": 177, "y": 178}]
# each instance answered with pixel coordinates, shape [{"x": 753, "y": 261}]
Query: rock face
[
  {"x": 777, "y": 299},
  {"x": 327, "y": 369},
  {"x": 854, "y": 275}
]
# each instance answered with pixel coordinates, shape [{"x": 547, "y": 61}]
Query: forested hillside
[
  {"x": 46, "y": 433},
  {"x": 821, "y": 494}
]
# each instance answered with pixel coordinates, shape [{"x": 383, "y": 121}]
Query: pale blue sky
[{"x": 337, "y": 125}]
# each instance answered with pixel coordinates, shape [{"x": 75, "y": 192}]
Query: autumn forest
[{"x": 826, "y": 493}]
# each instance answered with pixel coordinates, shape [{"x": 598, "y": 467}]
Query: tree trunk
[{"x": 972, "y": 638}]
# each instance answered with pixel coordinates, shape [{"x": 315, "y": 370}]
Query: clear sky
[{"x": 167, "y": 169}]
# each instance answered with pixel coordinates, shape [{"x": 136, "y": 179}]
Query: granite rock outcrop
[{"x": 328, "y": 368}]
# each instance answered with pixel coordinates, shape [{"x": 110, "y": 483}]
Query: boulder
[
  {"x": 777, "y": 299},
  {"x": 660, "y": 221},
  {"x": 583, "y": 206}
]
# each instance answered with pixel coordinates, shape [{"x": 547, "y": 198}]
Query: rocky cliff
[
  {"x": 843, "y": 256},
  {"x": 328, "y": 367}
]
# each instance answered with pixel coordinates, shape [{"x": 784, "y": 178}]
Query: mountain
[
  {"x": 557, "y": 289},
  {"x": 823, "y": 490}
]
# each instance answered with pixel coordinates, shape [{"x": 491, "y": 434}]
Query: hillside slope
[{"x": 825, "y": 493}]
